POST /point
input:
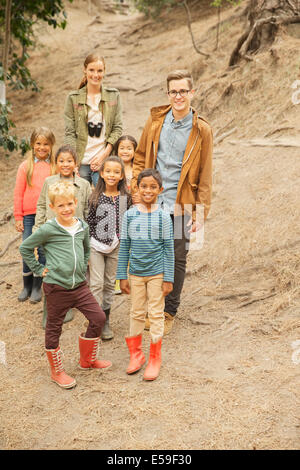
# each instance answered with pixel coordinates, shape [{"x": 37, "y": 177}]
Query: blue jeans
[
  {"x": 89, "y": 175},
  {"x": 28, "y": 222}
]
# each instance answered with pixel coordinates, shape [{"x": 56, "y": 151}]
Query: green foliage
[
  {"x": 7, "y": 141},
  {"x": 154, "y": 8},
  {"x": 220, "y": 3},
  {"x": 24, "y": 16},
  {"x": 19, "y": 76}
]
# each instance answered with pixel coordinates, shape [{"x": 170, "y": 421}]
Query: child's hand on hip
[
  {"x": 125, "y": 286},
  {"x": 167, "y": 287},
  {"x": 44, "y": 273}
]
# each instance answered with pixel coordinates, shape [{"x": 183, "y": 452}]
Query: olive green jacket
[
  {"x": 83, "y": 192},
  {"x": 76, "y": 117}
]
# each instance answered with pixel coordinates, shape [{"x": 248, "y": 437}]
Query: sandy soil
[{"x": 230, "y": 375}]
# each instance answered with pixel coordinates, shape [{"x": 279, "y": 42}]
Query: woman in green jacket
[{"x": 93, "y": 119}]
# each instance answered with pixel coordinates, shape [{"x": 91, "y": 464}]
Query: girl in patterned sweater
[{"x": 108, "y": 203}]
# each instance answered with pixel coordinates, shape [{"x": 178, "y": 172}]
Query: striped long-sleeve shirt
[{"x": 147, "y": 244}]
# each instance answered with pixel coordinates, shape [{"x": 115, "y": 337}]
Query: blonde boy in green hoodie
[{"x": 65, "y": 241}]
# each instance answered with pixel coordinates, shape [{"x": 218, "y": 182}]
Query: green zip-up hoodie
[
  {"x": 76, "y": 117},
  {"x": 66, "y": 255}
]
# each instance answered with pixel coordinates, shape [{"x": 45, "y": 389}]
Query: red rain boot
[
  {"x": 153, "y": 367},
  {"x": 137, "y": 358},
  {"x": 58, "y": 374},
  {"x": 88, "y": 348}
]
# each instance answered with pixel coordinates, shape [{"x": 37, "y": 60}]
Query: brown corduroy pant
[{"x": 60, "y": 300}]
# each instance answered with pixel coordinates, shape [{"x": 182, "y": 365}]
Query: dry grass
[{"x": 227, "y": 381}]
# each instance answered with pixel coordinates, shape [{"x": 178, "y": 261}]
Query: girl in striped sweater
[{"x": 30, "y": 178}]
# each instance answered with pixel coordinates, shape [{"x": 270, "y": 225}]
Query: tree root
[{"x": 243, "y": 47}]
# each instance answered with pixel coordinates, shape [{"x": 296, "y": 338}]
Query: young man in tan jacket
[{"x": 178, "y": 143}]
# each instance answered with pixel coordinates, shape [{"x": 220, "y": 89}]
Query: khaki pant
[
  {"x": 147, "y": 297},
  {"x": 102, "y": 276}
]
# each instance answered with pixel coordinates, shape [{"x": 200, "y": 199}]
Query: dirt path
[{"x": 228, "y": 380}]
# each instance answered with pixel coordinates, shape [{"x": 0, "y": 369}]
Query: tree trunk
[
  {"x": 5, "y": 51},
  {"x": 264, "y": 17}
]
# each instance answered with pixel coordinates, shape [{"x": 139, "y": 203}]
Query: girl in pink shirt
[{"x": 30, "y": 179}]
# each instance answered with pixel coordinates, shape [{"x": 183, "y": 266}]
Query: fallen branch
[
  {"x": 266, "y": 143},
  {"x": 9, "y": 244},
  {"x": 96, "y": 21},
  {"x": 233, "y": 296},
  {"x": 191, "y": 272},
  {"x": 218, "y": 131},
  {"x": 10, "y": 263},
  {"x": 6, "y": 218},
  {"x": 137, "y": 29},
  {"x": 199, "y": 322},
  {"x": 111, "y": 74},
  {"x": 125, "y": 88},
  {"x": 286, "y": 128},
  {"x": 258, "y": 299},
  {"x": 144, "y": 90},
  {"x": 271, "y": 251},
  {"x": 223, "y": 136}
]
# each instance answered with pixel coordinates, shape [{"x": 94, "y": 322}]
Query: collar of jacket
[
  {"x": 76, "y": 180},
  {"x": 54, "y": 223},
  {"x": 159, "y": 112},
  {"x": 82, "y": 92}
]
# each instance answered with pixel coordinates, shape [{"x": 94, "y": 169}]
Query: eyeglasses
[{"x": 174, "y": 93}]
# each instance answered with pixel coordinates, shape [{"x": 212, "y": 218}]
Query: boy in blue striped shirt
[{"x": 147, "y": 244}]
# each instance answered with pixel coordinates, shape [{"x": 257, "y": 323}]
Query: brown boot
[
  {"x": 58, "y": 374},
  {"x": 147, "y": 323},
  {"x": 153, "y": 367},
  {"x": 169, "y": 321},
  {"x": 137, "y": 358},
  {"x": 88, "y": 348}
]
